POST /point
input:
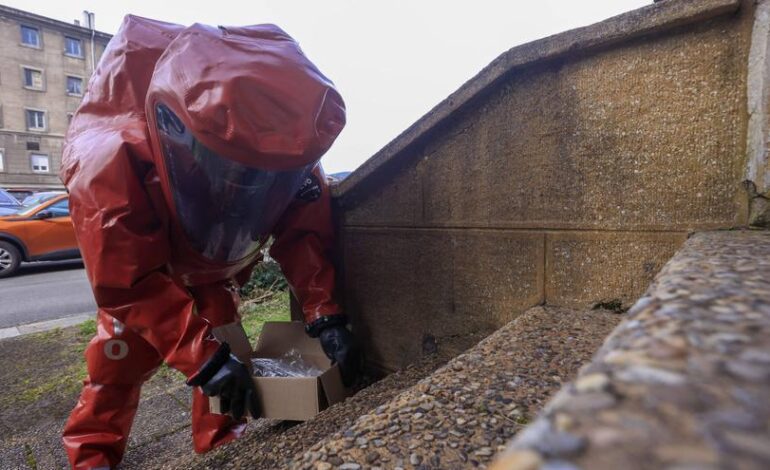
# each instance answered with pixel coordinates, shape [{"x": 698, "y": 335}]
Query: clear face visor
[{"x": 225, "y": 209}]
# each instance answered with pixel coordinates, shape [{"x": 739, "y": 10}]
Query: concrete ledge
[
  {"x": 42, "y": 326},
  {"x": 585, "y": 268},
  {"x": 651, "y": 19},
  {"x": 682, "y": 383}
]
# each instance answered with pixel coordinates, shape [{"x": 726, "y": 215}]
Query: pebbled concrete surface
[
  {"x": 682, "y": 383},
  {"x": 459, "y": 416},
  {"x": 270, "y": 445},
  {"x": 622, "y": 28}
]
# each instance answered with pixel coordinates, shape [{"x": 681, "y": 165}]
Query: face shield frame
[{"x": 226, "y": 210}]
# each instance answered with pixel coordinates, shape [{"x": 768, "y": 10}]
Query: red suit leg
[
  {"x": 119, "y": 361},
  {"x": 211, "y": 430},
  {"x": 218, "y": 304}
]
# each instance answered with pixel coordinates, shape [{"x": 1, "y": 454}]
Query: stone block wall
[
  {"x": 682, "y": 382},
  {"x": 758, "y": 134},
  {"x": 569, "y": 178}
]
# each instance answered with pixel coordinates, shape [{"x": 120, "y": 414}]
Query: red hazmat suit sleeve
[
  {"x": 303, "y": 242},
  {"x": 116, "y": 203}
]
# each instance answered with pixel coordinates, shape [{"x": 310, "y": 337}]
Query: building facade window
[
  {"x": 33, "y": 78},
  {"x": 74, "y": 85},
  {"x": 2, "y": 160},
  {"x": 35, "y": 120},
  {"x": 30, "y": 36},
  {"x": 73, "y": 47},
  {"x": 39, "y": 163}
]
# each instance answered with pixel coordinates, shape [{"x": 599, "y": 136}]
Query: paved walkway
[
  {"x": 683, "y": 383},
  {"x": 45, "y": 291}
]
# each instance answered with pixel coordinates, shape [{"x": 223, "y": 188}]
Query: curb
[{"x": 39, "y": 327}]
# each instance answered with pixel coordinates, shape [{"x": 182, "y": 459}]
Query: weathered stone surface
[
  {"x": 585, "y": 268},
  {"x": 606, "y": 34},
  {"x": 758, "y": 128},
  {"x": 684, "y": 380},
  {"x": 421, "y": 291},
  {"x": 647, "y": 135},
  {"x": 462, "y": 414},
  {"x": 611, "y": 154},
  {"x": 392, "y": 276}
]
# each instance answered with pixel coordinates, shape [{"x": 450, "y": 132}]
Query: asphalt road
[{"x": 45, "y": 291}]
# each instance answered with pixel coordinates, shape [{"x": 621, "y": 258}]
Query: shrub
[{"x": 267, "y": 276}]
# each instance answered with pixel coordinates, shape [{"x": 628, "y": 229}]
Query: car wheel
[{"x": 10, "y": 259}]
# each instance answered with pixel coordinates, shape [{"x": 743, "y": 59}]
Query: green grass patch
[
  {"x": 254, "y": 316},
  {"x": 29, "y": 456},
  {"x": 64, "y": 382},
  {"x": 87, "y": 329},
  {"x": 49, "y": 335}
]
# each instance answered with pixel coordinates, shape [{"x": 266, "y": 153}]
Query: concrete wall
[
  {"x": 569, "y": 180},
  {"x": 758, "y": 135}
]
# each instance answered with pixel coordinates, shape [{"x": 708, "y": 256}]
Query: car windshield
[
  {"x": 37, "y": 199},
  {"x": 7, "y": 200},
  {"x": 28, "y": 210}
]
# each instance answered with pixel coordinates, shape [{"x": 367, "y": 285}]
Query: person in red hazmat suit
[{"x": 192, "y": 147}]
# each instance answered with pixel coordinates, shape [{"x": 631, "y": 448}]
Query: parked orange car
[{"x": 40, "y": 233}]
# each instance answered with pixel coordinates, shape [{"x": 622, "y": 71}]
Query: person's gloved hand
[
  {"x": 339, "y": 345},
  {"x": 224, "y": 376}
]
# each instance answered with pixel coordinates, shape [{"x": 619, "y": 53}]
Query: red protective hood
[{"x": 249, "y": 94}]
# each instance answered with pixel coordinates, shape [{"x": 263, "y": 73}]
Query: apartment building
[{"x": 45, "y": 65}]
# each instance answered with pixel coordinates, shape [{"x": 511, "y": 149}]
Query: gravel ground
[
  {"x": 41, "y": 385},
  {"x": 461, "y": 415},
  {"x": 272, "y": 444},
  {"x": 683, "y": 383}
]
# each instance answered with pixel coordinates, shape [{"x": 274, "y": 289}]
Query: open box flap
[
  {"x": 234, "y": 335},
  {"x": 331, "y": 381},
  {"x": 278, "y": 338}
]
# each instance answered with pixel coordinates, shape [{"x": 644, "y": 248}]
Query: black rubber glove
[
  {"x": 339, "y": 345},
  {"x": 226, "y": 377}
]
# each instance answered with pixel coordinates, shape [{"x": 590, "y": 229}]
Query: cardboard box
[{"x": 286, "y": 398}]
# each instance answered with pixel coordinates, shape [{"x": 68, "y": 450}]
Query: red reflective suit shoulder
[{"x": 115, "y": 201}]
